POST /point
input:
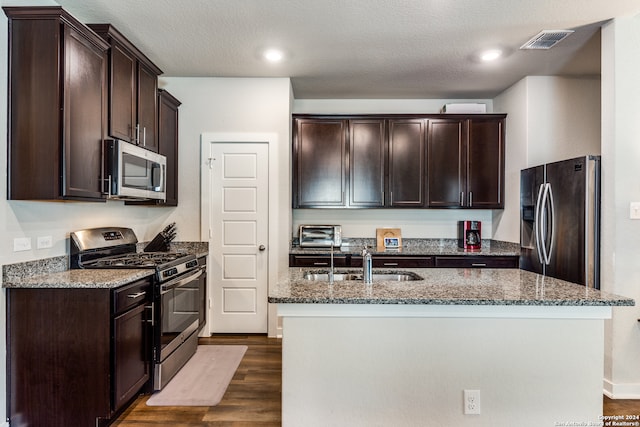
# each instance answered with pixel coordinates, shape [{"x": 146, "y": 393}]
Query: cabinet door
[
  {"x": 319, "y": 156},
  {"x": 84, "y": 106},
  {"x": 130, "y": 354},
  {"x": 168, "y": 142},
  {"x": 446, "y": 163},
  {"x": 485, "y": 152},
  {"x": 122, "y": 105},
  {"x": 147, "y": 136},
  {"x": 366, "y": 163},
  {"x": 406, "y": 163}
]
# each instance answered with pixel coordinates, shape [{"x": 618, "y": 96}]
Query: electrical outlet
[
  {"x": 44, "y": 242},
  {"x": 634, "y": 210},
  {"x": 21, "y": 244},
  {"x": 472, "y": 402}
]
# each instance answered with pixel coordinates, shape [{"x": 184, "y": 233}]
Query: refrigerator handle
[
  {"x": 552, "y": 224},
  {"x": 536, "y": 223}
]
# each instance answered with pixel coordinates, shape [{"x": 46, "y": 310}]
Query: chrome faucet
[{"x": 367, "y": 265}]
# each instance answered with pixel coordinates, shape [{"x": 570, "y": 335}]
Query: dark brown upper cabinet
[
  {"x": 406, "y": 163},
  {"x": 446, "y": 162},
  {"x": 358, "y": 162},
  {"x": 394, "y": 161},
  {"x": 367, "y": 148},
  {"x": 133, "y": 85},
  {"x": 485, "y": 160},
  {"x": 57, "y": 106},
  {"x": 168, "y": 142},
  {"x": 319, "y": 163},
  {"x": 466, "y": 162}
]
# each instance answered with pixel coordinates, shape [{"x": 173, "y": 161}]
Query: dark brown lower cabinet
[
  {"x": 469, "y": 261},
  {"x": 387, "y": 261},
  {"x": 406, "y": 261},
  {"x": 318, "y": 260},
  {"x": 76, "y": 356}
]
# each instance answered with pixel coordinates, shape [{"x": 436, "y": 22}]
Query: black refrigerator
[{"x": 560, "y": 220}]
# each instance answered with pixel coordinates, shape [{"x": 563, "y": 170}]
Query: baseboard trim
[{"x": 620, "y": 391}]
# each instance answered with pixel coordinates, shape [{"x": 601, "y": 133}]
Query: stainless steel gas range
[{"x": 178, "y": 291}]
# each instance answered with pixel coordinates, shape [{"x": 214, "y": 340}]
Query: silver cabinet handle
[
  {"x": 138, "y": 295},
  {"x": 478, "y": 264},
  {"x": 151, "y": 307},
  {"x": 321, "y": 263},
  {"x": 391, "y": 264},
  {"x": 461, "y": 198},
  {"x": 470, "y": 198}
]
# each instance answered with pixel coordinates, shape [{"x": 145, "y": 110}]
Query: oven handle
[{"x": 176, "y": 283}]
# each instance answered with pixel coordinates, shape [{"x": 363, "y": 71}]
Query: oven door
[{"x": 179, "y": 313}]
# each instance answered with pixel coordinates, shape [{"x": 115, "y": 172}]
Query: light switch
[{"x": 634, "y": 210}]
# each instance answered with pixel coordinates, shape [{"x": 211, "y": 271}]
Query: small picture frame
[{"x": 391, "y": 243}]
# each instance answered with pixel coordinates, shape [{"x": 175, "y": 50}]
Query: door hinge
[{"x": 210, "y": 162}]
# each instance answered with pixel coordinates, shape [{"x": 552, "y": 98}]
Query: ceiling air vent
[{"x": 546, "y": 39}]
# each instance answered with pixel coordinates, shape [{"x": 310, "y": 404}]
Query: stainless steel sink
[{"x": 380, "y": 277}]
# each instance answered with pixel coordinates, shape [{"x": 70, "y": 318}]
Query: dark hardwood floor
[{"x": 253, "y": 396}]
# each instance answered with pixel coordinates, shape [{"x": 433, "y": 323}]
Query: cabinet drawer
[
  {"x": 317, "y": 261},
  {"x": 477, "y": 261},
  {"x": 131, "y": 295},
  {"x": 396, "y": 261}
]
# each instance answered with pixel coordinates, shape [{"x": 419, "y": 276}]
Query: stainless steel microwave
[{"x": 133, "y": 173}]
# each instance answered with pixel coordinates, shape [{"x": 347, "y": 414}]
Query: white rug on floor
[{"x": 203, "y": 380}]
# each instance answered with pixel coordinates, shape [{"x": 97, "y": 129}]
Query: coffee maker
[{"x": 469, "y": 235}]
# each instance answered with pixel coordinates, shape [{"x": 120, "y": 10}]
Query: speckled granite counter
[
  {"x": 397, "y": 353},
  {"x": 419, "y": 247},
  {"x": 54, "y": 272},
  {"x": 109, "y": 278},
  {"x": 443, "y": 286}
]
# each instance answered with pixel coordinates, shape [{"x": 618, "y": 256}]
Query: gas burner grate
[{"x": 142, "y": 260}]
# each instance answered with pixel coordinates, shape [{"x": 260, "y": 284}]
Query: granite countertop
[
  {"x": 417, "y": 247},
  {"x": 443, "y": 286},
  {"x": 108, "y": 278},
  {"x": 54, "y": 272}
]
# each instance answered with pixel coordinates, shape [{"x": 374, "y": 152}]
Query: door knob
[{"x": 261, "y": 248}]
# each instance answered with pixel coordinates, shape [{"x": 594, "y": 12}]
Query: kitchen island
[{"x": 402, "y": 353}]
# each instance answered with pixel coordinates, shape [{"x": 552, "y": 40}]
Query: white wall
[
  {"x": 621, "y": 178},
  {"x": 242, "y": 105},
  {"x": 548, "y": 119},
  {"x": 513, "y": 101},
  {"x": 563, "y": 118}
]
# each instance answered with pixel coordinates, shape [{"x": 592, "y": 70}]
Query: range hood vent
[{"x": 546, "y": 39}]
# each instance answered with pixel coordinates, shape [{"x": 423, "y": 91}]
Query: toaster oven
[{"x": 320, "y": 236}]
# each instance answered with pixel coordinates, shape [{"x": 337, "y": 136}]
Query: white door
[{"x": 238, "y": 237}]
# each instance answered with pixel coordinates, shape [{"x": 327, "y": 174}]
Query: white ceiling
[{"x": 362, "y": 48}]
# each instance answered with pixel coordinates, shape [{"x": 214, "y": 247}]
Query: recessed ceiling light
[
  {"x": 491, "y": 54},
  {"x": 273, "y": 55}
]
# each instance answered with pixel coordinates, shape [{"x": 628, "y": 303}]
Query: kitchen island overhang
[{"x": 532, "y": 345}]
